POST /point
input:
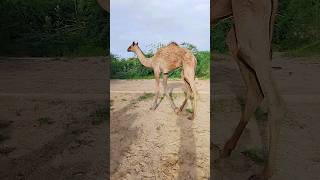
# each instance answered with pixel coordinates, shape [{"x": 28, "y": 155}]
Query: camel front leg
[
  {"x": 166, "y": 93},
  {"x": 157, "y": 90}
]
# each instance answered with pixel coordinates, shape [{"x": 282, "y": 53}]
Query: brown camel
[
  {"x": 166, "y": 59},
  {"x": 249, "y": 41}
]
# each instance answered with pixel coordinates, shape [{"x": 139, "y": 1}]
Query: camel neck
[{"x": 144, "y": 61}]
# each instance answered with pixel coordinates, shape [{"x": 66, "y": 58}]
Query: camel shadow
[
  {"x": 122, "y": 136},
  {"x": 187, "y": 151}
]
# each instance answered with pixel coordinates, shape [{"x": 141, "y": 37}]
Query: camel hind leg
[
  {"x": 187, "y": 92},
  {"x": 189, "y": 77},
  {"x": 253, "y": 98}
]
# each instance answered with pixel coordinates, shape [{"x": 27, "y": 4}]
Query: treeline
[
  {"x": 131, "y": 68},
  {"x": 81, "y": 28},
  {"x": 297, "y": 28},
  {"x": 53, "y": 28}
]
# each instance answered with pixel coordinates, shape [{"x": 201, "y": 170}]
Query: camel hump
[{"x": 173, "y": 43}]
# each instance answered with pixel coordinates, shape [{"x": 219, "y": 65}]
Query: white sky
[{"x": 158, "y": 21}]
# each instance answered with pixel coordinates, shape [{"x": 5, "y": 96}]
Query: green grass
[
  {"x": 312, "y": 49},
  {"x": 260, "y": 114},
  {"x": 45, "y": 120},
  {"x": 3, "y": 138},
  {"x": 145, "y": 96},
  {"x": 255, "y": 154},
  {"x": 101, "y": 115},
  {"x": 189, "y": 110}
]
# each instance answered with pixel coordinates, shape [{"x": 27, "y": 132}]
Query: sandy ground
[
  {"x": 299, "y": 149},
  {"x": 158, "y": 144},
  {"x": 52, "y": 118},
  {"x": 52, "y": 127}
]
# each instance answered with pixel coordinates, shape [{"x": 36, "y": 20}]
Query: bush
[{"x": 53, "y": 28}]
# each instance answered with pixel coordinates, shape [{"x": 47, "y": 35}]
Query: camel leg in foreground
[
  {"x": 189, "y": 78},
  {"x": 253, "y": 98},
  {"x": 187, "y": 92},
  {"x": 252, "y": 32},
  {"x": 157, "y": 90}
]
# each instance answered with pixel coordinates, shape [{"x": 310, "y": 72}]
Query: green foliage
[
  {"x": 53, "y": 28},
  {"x": 131, "y": 68},
  {"x": 145, "y": 96},
  {"x": 297, "y": 29},
  {"x": 101, "y": 115},
  {"x": 218, "y": 36},
  {"x": 45, "y": 120},
  {"x": 298, "y": 26},
  {"x": 255, "y": 154}
]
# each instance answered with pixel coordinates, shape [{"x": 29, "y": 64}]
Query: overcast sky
[{"x": 158, "y": 21}]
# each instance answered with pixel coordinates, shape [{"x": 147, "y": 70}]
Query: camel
[
  {"x": 249, "y": 41},
  {"x": 165, "y": 60}
]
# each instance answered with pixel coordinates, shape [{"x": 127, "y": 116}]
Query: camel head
[{"x": 133, "y": 47}]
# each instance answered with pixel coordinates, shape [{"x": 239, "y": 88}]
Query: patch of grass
[
  {"x": 101, "y": 114},
  {"x": 189, "y": 110},
  {"x": 44, "y": 120},
  {"x": 255, "y": 154},
  {"x": 260, "y": 114},
  {"x": 145, "y": 96},
  {"x": 3, "y": 138},
  {"x": 312, "y": 49}
]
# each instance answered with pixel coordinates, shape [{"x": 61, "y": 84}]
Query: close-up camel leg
[
  {"x": 254, "y": 46},
  {"x": 166, "y": 93},
  {"x": 253, "y": 98},
  {"x": 189, "y": 76},
  {"x": 157, "y": 90},
  {"x": 187, "y": 92}
]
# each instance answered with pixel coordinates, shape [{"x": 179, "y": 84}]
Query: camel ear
[
  {"x": 133, "y": 43},
  {"x": 137, "y": 43}
]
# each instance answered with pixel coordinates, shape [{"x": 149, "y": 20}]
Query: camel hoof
[
  {"x": 177, "y": 110},
  {"x": 152, "y": 108}
]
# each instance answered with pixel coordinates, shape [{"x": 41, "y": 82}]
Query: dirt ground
[
  {"x": 158, "y": 144},
  {"x": 299, "y": 148},
  {"x": 53, "y": 118},
  {"x": 52, "y": 124}
]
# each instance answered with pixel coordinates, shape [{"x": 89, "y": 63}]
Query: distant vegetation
[
  {"x": 297, "y": 29},
  {"x": 80, "y": 28},
  {"x": 53, "y": 28},
  {"x": 131, "y": 68}
]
